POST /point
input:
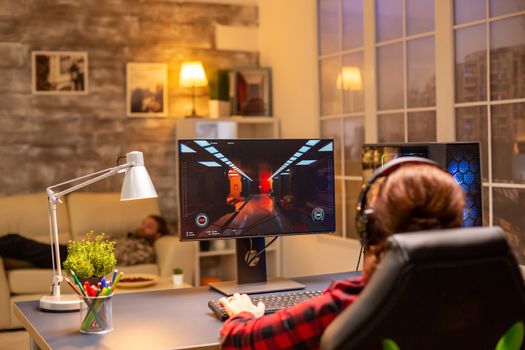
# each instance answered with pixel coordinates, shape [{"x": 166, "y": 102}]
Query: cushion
[
  {"x": 31, "y": 281},
  {"x": 28, "y": 215},
  {"x": 104, "y": 212}
]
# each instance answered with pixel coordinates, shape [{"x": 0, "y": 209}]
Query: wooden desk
[{"x": 165, "y": 319}]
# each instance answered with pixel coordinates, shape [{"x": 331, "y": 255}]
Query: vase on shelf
[
  {"x": 219, "y": 87},
  {"x": 219, "y": 108},
  {"x": 177, "y": 277}
]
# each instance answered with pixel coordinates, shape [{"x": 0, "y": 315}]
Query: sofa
[{"x": 79, "y": 213}]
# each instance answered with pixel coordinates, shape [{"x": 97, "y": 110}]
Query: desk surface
[{"x": 167, "y": 319}]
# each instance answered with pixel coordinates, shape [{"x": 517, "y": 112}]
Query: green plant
[
  {"x": 177, "y": 271},
  {"x": 93, "y": 256},
  {"x": 219, "y": 84}
]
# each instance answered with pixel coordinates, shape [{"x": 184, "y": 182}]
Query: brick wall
[{"x": 48, "y": 139}]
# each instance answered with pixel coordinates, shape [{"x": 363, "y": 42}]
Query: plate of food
[{"x": 137, "y": 280}]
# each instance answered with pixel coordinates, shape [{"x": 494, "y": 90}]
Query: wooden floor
[{"x": 14, "y": 340}]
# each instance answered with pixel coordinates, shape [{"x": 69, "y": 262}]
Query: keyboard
[{"x": 272, "y": 301}]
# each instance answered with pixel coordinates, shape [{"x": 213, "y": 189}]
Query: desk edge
[{"x": 35, "y": 336}]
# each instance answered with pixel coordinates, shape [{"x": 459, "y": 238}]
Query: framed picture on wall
[
  {"x": 251, "y": 91},
  {"x": 59, "y": 72},
  {"x": 147, "y": 89}
]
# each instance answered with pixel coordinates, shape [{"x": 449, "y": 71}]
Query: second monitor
[
  {"x": 460, "y": 159},
  {"x": 249, "y": 189}
]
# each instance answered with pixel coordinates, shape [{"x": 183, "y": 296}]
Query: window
[
  {"x": 406, "y": 78},
  {"x": 481, "y": 46},
  {"x": 341, "y": 66},
  {"x": 490, "y": 104},
  {"x": 406, "y": 96}
]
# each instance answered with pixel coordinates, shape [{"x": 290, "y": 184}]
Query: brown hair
[
  {"x": 162, "y": 224},
  {"x": 414, "y": 198}
]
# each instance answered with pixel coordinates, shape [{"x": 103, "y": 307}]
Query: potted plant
[
  {"x": 219, "y": 84},
  {"x": 177, "y": 276},
  {"x": 94, "y": 256}
]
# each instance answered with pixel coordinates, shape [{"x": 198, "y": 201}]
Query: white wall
[
  {"x": 318, "y": 254},
  {"x": 288, "y": 44}
]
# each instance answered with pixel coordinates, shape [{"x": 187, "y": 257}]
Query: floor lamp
[{"x": 137, "y": 185}]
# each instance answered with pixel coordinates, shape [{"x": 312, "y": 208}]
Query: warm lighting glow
[
  {"x": 349, "y": 79},
  {"x": 192, "y": 74}
]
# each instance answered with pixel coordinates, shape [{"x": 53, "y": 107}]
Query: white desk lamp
[{"x": 137, "y": 185}]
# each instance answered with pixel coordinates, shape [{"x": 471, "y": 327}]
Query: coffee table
[{"x": 163, "y": 284}]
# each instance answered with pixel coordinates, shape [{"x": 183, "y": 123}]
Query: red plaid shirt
[{"x": 297, "y": 327}]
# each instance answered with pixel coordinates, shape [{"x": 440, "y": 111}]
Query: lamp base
[{"x": 63, "y": 303}]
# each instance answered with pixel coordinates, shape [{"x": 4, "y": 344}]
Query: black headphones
[{"x": 363, "y": 213}]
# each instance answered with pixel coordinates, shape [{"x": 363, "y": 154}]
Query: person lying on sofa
[
  {"x": 413, "y": 197},
  {"x": 132, "y": 249}
]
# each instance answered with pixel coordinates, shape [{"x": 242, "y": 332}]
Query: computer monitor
[
  {"x": 249, "y": 189},
  {"x": 460, "y": 159}
]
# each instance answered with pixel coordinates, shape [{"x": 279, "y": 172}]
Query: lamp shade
[
  {"x": 349, "y": 79},
  {"x": 137, "y": 183},
  {"x": 192, "y": 74}
]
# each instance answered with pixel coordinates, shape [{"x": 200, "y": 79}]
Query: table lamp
[
  {"x": 192, "y": 75},
  {"x": 137, "y": 185}
]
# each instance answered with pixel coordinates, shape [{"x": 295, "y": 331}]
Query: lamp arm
[
  {"x": 53, "y": 199},
  {"x": 105, "y": 173}
]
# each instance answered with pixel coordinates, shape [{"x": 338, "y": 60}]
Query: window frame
[{"x": 445, "y": 107}]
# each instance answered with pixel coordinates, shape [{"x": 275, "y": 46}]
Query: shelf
[
  {"x": 226, "y": 252},
  {"x": 228, "y": 127},
  {"x": 217, "y": 252},
  {"x": 234, "y": 118},
  {"x": 251, "y": 120}
]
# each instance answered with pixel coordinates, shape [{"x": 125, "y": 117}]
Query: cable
[
  {"x": 262, "y": 250},
  {"x": 359, "y": 258},
  {"x": 247, "y": 255},
  {"x": 119, "y": 158}
]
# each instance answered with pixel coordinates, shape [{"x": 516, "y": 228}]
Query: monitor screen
[
  {"x": 375, "y": 156},
  {"x": 460, "y": 159},
  {"x": 255, "y": 187}
]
